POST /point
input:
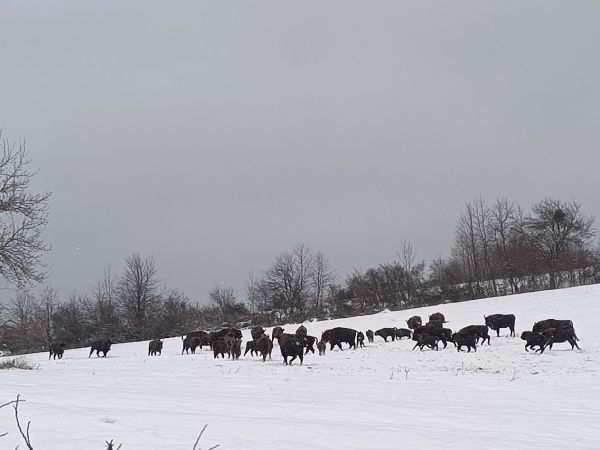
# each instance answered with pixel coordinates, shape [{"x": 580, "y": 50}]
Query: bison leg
[{"x": 416, "y": 345}]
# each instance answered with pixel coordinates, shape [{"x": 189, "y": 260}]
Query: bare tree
[
  {"x": 323, "y": 276},
  {"x": 223, "y": 298},
  {"x": 46, "y": 307},
  {"x": 23, "y": 217},
  {"x": 139, "y": 295},
  {"x": 554, "y": 228}
]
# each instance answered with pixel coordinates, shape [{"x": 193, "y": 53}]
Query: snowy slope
[{"x": 384, "y": 396}]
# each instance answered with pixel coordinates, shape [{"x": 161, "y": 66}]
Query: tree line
[{"x": 498, "y": 249}]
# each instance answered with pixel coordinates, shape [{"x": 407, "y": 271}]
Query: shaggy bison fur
[
  {"x": 386, "y": 333},
  {"x": 277, "y": 331},
  {"x": 57, "y": 350},
  {"x": 100, "y": 346},
  {"x": 497, "y": 321},
  {"x": 291, "y": 347},
  {"x": 414, "y": 322},
  {"x": 402, "y": 332},
  {"x": 437, "y": 316},
  {"x": 534, "y": 339},
  {"x": 190, "y": 343},
  {"x": 335, "y": 336},
  {"x": 264, "y": 345},
  {"x": 425, "y": 340},
  {"x": 479, "y": 331},
  {"x": 155, "y": 346},
  {"x": 360, "y": 339},
  {"x": 464, "y": 340},
  {"x": 256, "y": 332}
]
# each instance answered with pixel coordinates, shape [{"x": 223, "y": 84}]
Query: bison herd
[{"x": 228, "y": 341}]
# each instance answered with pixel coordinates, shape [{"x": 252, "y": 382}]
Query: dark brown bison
[
  {"x": 414, "y": 322},
  {"x": 100, "y": 346},
  {"x": 336, "y": 336},
  {"x": 479, "y": 331},
  {"x": 402, "y": 332},
  {"x": 251, "y": 347},
  {"x": 264, "y": 345},
  {"x": 301, "y": 331},
  {"x": 542, "y": 325},
  {"x": 277, "y": 331},
  {"x": 257, "y": 332},
  {"x": 57, "y": 350},
  {"x": 308, "y": 342},
  {"x": 190, "y": 344},
  {"x": 360, "y": 339},
  {"x": 236, "y": 349},
  {"x": 222, "y": 346},
  {"x": 322, "y": 346},
  {"x": 386, "y": 333},
  {"x": 556, "y": 336},
  {"x": 155, "y": 347},
  {"x": 442, "y": 334},
  {"x": 370, "y": 336},
  {"x": 425, "y": 340},
  {"x": 291, "y": 347},
  {"x": 497, "y": 321},
  {"x": 464, "y": 340},
  {"x": 534, "y": 339},
  {"x": 437, "y": 316}
]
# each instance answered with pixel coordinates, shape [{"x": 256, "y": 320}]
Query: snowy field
[{"x": 384, "y": 396}]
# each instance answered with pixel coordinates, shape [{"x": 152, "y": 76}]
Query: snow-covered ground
[{"x": 384, "y": 396}]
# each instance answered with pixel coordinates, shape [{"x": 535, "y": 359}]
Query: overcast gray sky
[{"x": 214, "y": 135}]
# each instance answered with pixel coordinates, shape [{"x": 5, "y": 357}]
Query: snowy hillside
[{"x": 384, "y": 396}]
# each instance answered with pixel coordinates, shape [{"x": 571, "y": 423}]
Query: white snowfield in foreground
[{"x": 384, "y": 396}]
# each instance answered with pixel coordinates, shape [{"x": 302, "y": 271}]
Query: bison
[
  {"x": 479, "y": 331},
  {"x": 360, "y": 339},
  {"x": 464, "y": 340},
  {"x": 235, "y": 349},
  {"x": 190, "y": 343},
  {"x": 542, "y": 325},
  {"x": 386, "y": 332},
  {"x": 100, "y": 346},
  {"x": 251, "y": 347},
  {"x": 155, "y": 346},
  {"x": 534, "y": 339},
  {"x": 256, "y": 332},
  {"x": 434, "y": 324},
  {"x": 370, "y": 336},
  {"x": 437, "y": 316},
  {"x": 301, "y": 331},
  {"x": 442, "y": 334},
  {"x": 231, "y": 332},
  {"x": 424, "y": 340},
  {"x": 277, "y": 331},
  {"x": 557, "y": 336},
  {"x": 322, "y": 346},
  {"x": 222, "y": 346},
  {"x": 57, "y": 350},
  {"x": 497, "y": 321},
  {"x": 264, "y": 345},
  {"x": 402, "y": 332},
  {"x": 308, "y": 342},
  {"x": 291, "y": 347},
  {"x": 414, "y": 322},
  {"x": 335, "y": 336}
]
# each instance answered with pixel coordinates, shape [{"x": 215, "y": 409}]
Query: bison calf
[
  {"x": 425, "y": 340},
  {"x": 479, "y": 331},
  {"x": 251, "y": 347},
  {"x": 322, "y": 346},
  {"x": 386, "y": 333},
  {"x": 370, "y": 336},
  {"x": 533, "y": 339},
  {"x": 57, "y": 350},
  {"x": 155, "y": 346},
  {"x": 464, "y": 340}
]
